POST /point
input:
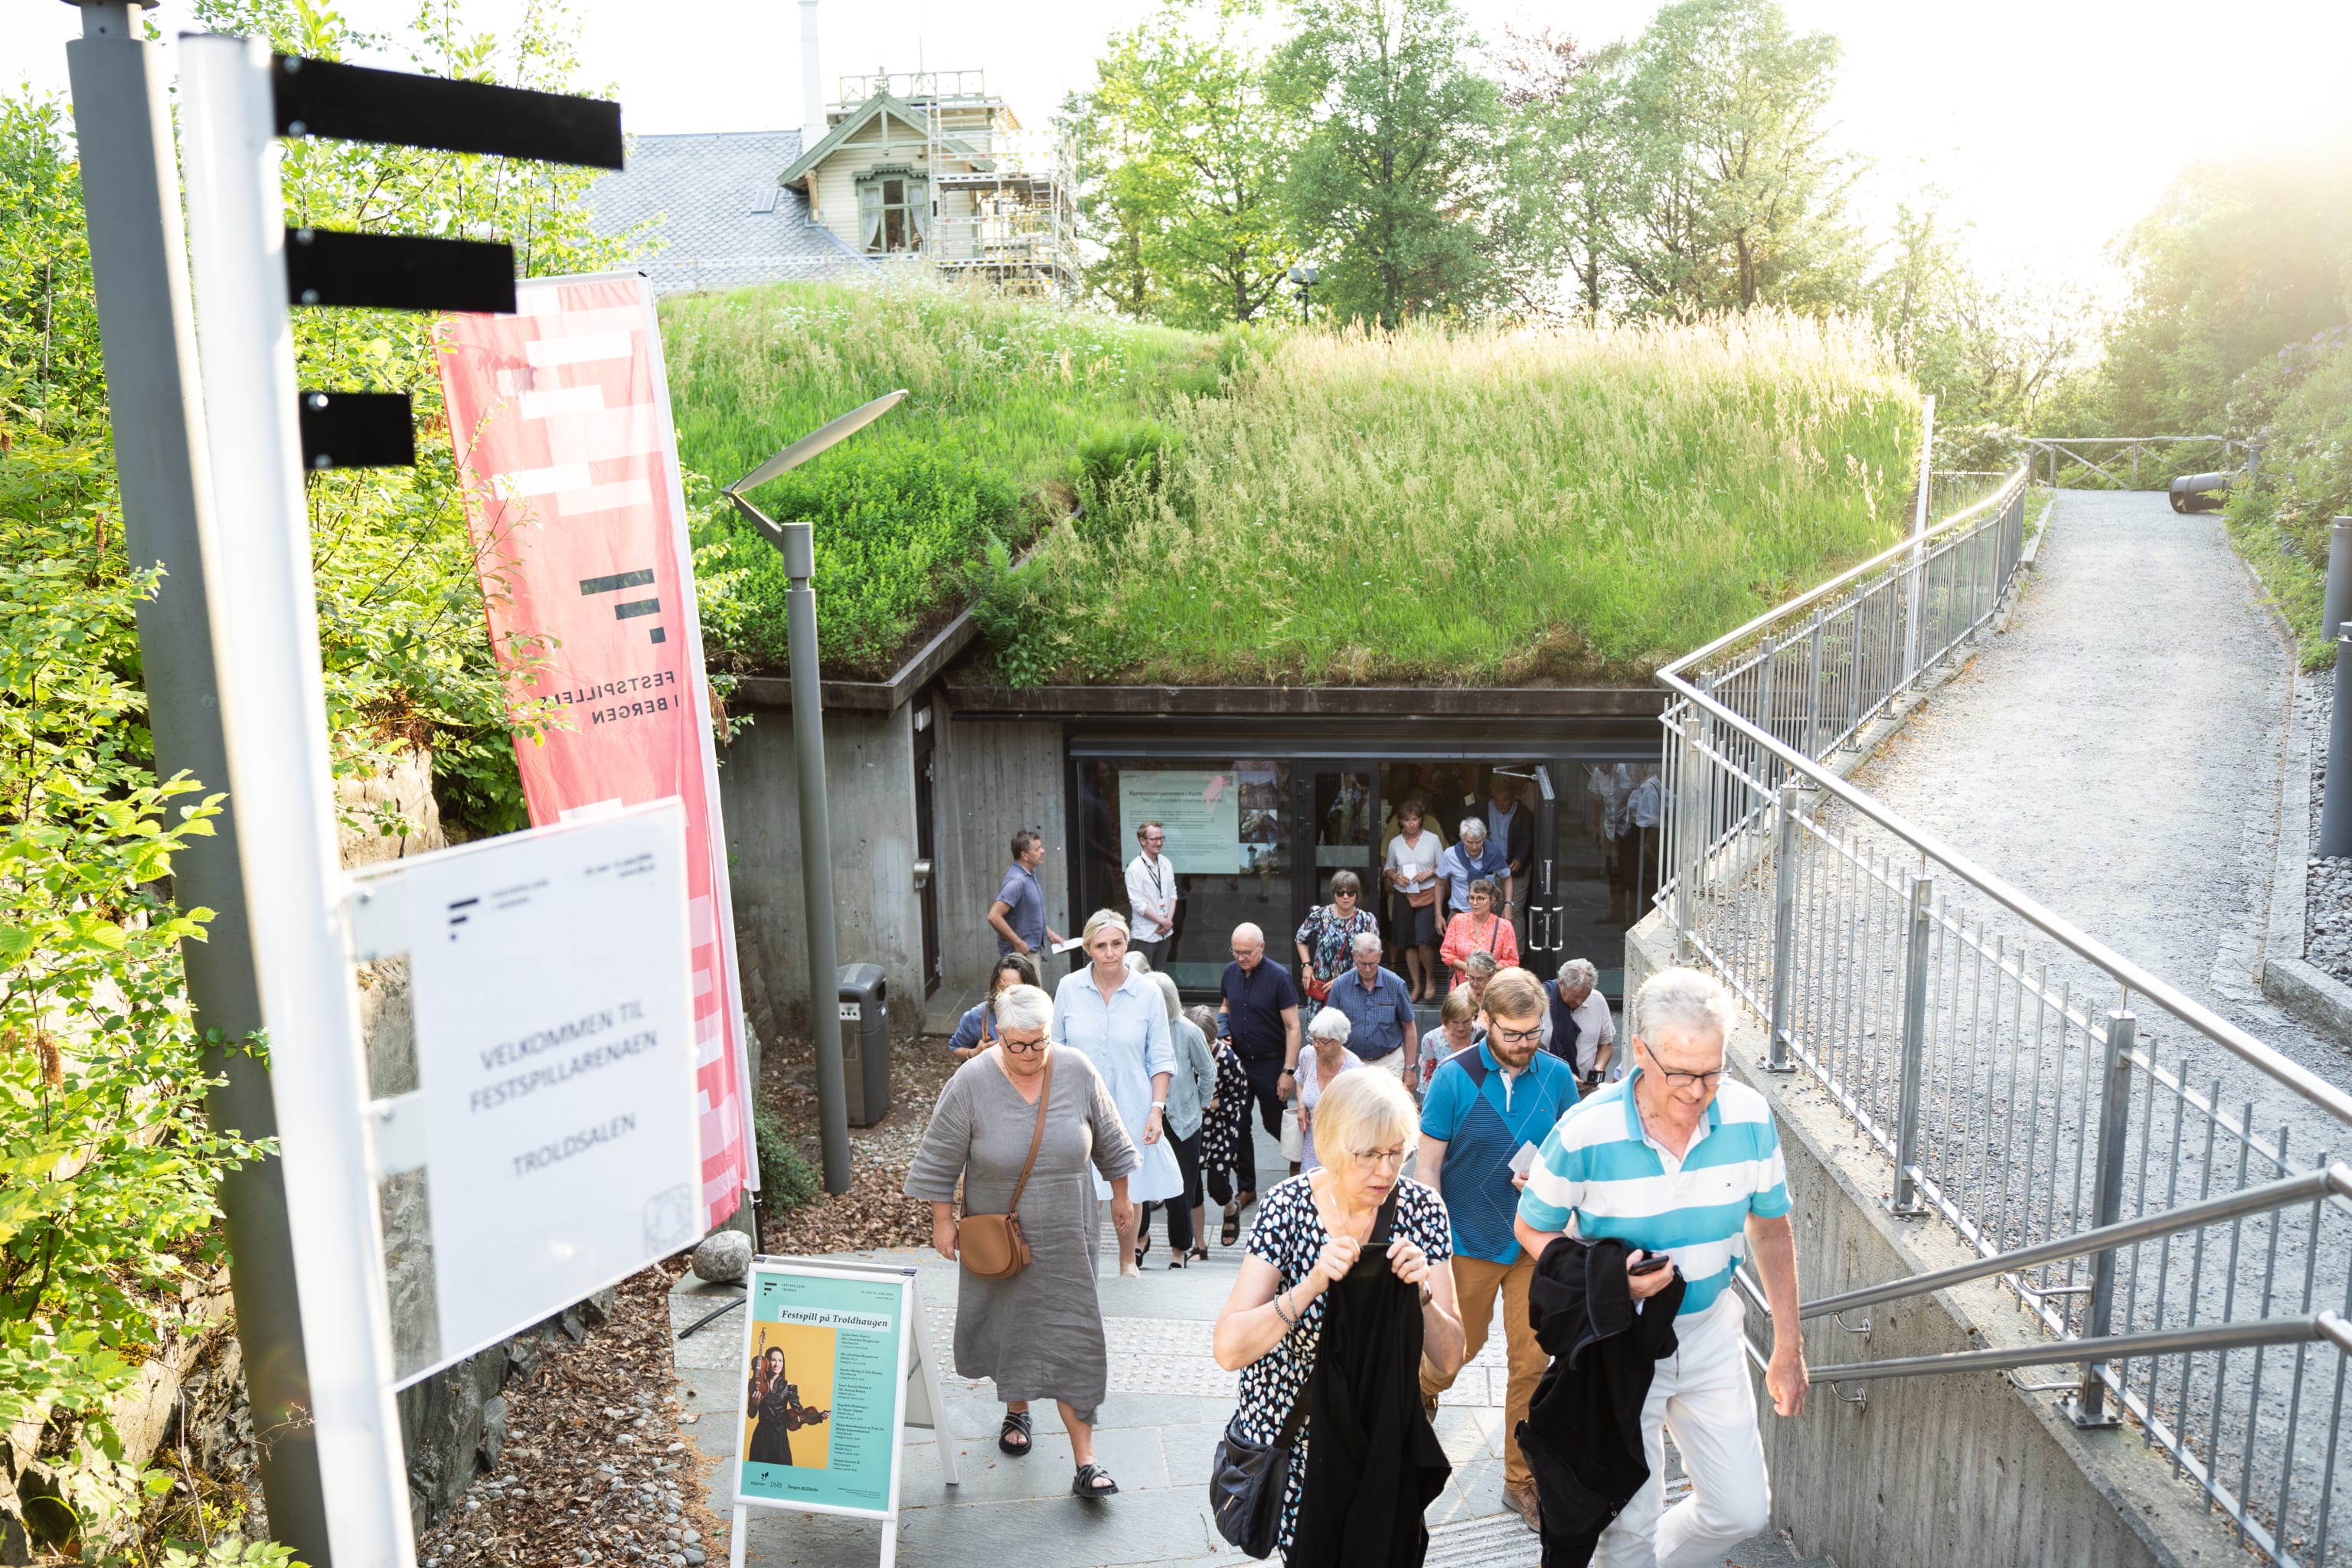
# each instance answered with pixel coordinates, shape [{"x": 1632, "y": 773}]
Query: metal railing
[
  {"x": 2046, "y": 456},
  {"x": 1991, "y": 1048}
]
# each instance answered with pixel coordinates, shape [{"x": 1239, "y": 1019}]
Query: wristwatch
[{"x": 1159, "y": 1105}]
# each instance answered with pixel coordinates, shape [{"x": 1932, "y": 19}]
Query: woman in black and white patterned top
[{"x": 1308, "y": 1234}]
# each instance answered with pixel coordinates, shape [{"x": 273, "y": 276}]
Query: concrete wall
[
  {"x": 1960, "y": 1470},
  {"x": 993, "y": 778},
  {"x": 869, "y": 785}
]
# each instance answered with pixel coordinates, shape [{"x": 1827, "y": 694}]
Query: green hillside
[{"x": 1430, "y": 506}]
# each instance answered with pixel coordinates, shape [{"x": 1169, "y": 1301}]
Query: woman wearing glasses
[
  {"x": 1037, "y": 1334},
  {"x": 1344, "y": 1293}
]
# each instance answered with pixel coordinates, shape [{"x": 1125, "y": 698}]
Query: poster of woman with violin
[{"x": 788, "y": 1403}]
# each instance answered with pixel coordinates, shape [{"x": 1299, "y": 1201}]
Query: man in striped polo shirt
[{"x": 1677, "y": 1159}]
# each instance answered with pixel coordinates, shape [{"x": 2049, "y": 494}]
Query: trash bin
[{"x": 866, "y": 1042}]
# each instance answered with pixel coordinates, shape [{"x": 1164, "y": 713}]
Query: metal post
[
  {"x": 1913, "y": 1090},
  {"x": 131, "y": 203},
  {"x": 799, "y": 541},
  {"x": 2335, "y": 807},
  {"x": 1784, "y": 928},
  {"x": 2088, "y": 1407},
  {"x": 264, "y": 608},
  {"x": 1812, "y": 747},
  {"x": 2338, "y": 602},
  {"x": 1919, "y": 533},
  {"x": 1686, "y": 839}
]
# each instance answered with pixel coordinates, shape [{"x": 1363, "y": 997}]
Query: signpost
[
  {"x": 554, "y": 1117},
  {"x": 838, "y": 1362}
]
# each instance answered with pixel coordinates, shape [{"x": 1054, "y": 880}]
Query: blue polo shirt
[
  {"x": 1254, "y": 1000},
  {"x": 1483, "y": 1125},
  {"x": 1376, "y": 1017},
  {"x": 1025, "y": 908}
]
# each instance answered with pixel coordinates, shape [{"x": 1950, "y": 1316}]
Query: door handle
[{"x": 922, "y": 875}]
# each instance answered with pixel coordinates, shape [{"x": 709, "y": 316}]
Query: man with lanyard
[
  {"x": 1381, "y": 1032},
  {"x": 1151, "y": 893},
  {"x": 1578, "y": 1028},
  {"x": 1258, "y": 1016},
  {"x": 1489, "y": 1108},
  {"x": 1018, "y": 915},
  {"x": 1677, "y": 1160}
]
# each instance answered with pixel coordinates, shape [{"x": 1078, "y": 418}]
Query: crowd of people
[{"x": 1510, "y": 1158}]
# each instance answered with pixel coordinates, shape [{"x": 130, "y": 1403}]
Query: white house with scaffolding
[{"x": 931, "y": 167}]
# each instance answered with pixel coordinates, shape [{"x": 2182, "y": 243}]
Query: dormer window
[{"x": 890, "y": 211}]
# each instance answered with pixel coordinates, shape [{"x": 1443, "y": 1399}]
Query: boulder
[{"x": 724, "y": 1256}]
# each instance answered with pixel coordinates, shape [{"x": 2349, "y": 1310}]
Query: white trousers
[{"x": 1701, "y": 1395}]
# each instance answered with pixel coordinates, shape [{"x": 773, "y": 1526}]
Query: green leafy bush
[
  {"x": 2281, "y": 521},
  {"x": 787, "y": 1181}
]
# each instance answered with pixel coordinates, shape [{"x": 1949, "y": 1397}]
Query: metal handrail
[
  {"x": 2132, "y": 976},
  {"x": 2335, "y": 1181},
  {"x": 2327, "y": 1326}
]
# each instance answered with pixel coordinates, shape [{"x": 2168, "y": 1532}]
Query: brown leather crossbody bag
[{"x": 991, "y": 1246}]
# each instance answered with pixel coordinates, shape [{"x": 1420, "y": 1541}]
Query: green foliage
[
  {"x": 1473, "y": 508},
  {"x": 1404, "y": 152},
  {"x": 2281, "y": 521},
  {"x": 2242, "y": 257},
  {"x": 49, "y": 362},
  {"x": 1002, "y": 393},
  {"x": 787, "y": 1181},
  {"x": 1185, "y": 155},
  {"x": 401, "y": 616}
]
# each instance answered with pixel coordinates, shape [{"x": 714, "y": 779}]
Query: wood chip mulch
[
  {"x": 595, "y": 1469},
  {"x": 874, "y": 1212}
]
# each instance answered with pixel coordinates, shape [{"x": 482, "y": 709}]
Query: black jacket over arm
[{"x": 1582, "y": 1436}]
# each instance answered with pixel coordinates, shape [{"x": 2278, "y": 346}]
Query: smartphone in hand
[{"x": 1650, "y": 1262}]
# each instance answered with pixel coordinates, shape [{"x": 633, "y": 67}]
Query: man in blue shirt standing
[
  {"x": 1381, "y": 1031},
  {"x": 1473, "y": 855},
  {"x": 1487, "y": 1107},
  {"x": 1018, "y": 915},
  {"x": 1259, "y": 1016}
]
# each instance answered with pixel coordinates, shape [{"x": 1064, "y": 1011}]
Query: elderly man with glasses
[{"x": 1676, "y": 1160}]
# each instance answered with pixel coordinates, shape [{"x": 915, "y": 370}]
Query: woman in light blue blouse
[{"x": 1117, "y": 1017}]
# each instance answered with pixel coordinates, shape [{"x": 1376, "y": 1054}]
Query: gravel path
[{"x": 2116, "y": 755}]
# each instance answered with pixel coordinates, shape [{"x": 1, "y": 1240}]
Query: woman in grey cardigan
[
  {"x": 1191, "y": 1088},
  {"x": 1039, "y": 1334}
]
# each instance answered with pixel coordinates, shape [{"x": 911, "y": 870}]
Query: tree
[
  {"x": 1403, "y": 158},
  {"x": 1186, "y": 158},
  {"x": 1738, "y": 199},
  {"x": 1569, "y": 176}
]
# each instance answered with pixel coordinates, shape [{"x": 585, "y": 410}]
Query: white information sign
[
  {"x": 1198, "y": 810},
  {"x": 555, "y": 1113}
]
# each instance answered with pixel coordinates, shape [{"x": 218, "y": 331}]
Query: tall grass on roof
[
  {"x": 1004, "y": 395},
  {"x": 1472, "y": 508}
]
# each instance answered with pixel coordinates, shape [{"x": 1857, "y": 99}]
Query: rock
[
  {"x": 723, "y": 1256},
  {"x": 694, "y": 1537},
  {"x": 694, "y": 1557},
  {"x": 494, "y": 1433},
  {"x": 522, "y": 1355}
]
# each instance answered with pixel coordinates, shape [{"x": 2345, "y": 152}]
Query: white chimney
[{"x": 813, "y": 125}]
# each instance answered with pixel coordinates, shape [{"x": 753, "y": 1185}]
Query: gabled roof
[
  {"x": 719, "y": 218},
  {"x": 880, "y": 103}
]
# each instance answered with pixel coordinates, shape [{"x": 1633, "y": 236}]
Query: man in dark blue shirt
[
  {"x": 1018, "y": 915},
  {"x": 1380, "y": 1012},
  {"x": 1260, "y": 1017}
]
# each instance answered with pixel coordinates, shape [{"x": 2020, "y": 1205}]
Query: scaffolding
[{"x": 999, "y": 204}]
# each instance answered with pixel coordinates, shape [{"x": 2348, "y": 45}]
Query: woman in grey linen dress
[{"x": 1039, "y": 1334}]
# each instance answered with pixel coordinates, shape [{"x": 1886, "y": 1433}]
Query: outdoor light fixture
[{"x": 1304, "y": 275}]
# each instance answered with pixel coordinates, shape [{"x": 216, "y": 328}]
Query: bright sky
[{"x": 2053, "y": 123}]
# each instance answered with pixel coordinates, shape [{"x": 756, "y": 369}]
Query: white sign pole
[{"x": 256, "y": 548}]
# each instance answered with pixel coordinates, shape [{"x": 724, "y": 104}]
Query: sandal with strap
[
  {"x": 1015, "y": 1420},
  {"x": 1083, "y": 1485},
  {"x": 1232, "y": 1230},
  {"x": 1198, "y": 1255}
]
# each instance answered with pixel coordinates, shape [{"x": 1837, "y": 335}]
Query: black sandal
[
  {"x": 1015, "y": 1420},
  {"x": 1198, "y": 1255},
  {"x": 1232, "y": 1230},
  {"x": 1083, "y": 1485},
  {"x": 1142, "y": 1246}
]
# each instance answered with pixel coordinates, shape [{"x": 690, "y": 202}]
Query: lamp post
[
  {"x": 797, "y": 541},
  {"x": 1304, "y": 275}
]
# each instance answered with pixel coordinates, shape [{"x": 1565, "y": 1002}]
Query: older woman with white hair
[
  {"x": 1343, "y": 1295},
  {"x": 1577, "y": 1027},
  {"x": 1019, "y": 1125},
  {"x": 1118, "y": 1019},
  {"x": 1326, "y": 1058}
]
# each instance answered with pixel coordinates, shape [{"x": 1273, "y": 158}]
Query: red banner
[{"x": 562, "y": 425}]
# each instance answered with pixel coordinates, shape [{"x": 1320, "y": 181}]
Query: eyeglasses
[
  {"x": 1380, "y": 1156},
  {"x": 1010, "y": 1044},
  {"x": 1503, "y": 1036},
  {"x": 1689, "y": 1079}
]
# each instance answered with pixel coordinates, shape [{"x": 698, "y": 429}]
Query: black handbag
[
  {"x": 1248, "y": 1481},
  {"x": 1247, "y": 1478}
]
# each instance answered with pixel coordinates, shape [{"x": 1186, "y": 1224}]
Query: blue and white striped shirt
[{"x": 1599, "y": 1168}]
